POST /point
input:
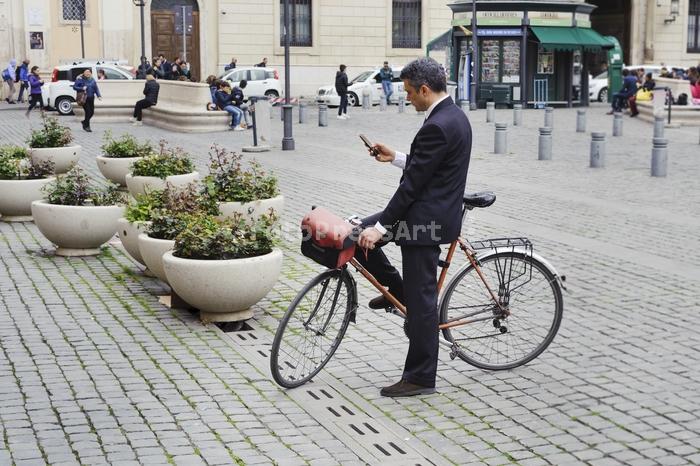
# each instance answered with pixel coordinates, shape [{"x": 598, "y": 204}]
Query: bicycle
[{"x": 485, "y": 310}]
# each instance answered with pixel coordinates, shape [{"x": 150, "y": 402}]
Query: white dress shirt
[{"x": 400, "y": 157}]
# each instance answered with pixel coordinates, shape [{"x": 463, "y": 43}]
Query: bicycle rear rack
[
  {"x": 502, "y": 243},
  {"x": 510, "y": 278}
]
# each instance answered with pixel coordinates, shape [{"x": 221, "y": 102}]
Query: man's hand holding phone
[{"x": 378, "y": 150}]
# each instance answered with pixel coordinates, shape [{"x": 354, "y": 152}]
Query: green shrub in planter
[
  {"x": 125, "y": 147},
  {"x": 13, "y": 167},
  {"x": 74, "y": 188},
  {"x": 50, "y": 135},
  {"x": 14, "y": 152},
  {"x": 170, "y": 210},
  {"x": 205, "y": 238},
  {"x": 168, "y": 162},
  {"x": 229, "y": 181}
]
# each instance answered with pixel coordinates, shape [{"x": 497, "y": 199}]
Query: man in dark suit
[{"x": 424, "y": 212}]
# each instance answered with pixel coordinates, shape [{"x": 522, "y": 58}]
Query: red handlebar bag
[{"x": 327, "y": 239}]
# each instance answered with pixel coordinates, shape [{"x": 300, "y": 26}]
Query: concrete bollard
[
  {"x": 464, "y": 104},
  {"x": 617, "y": 124},
  {"x": 580, "y": 120},
  {"x": 302, "y": 112},
  {"x": 490, "y": 112},
  {"x": 659, "y": 125},
  {"x": 402, "y": 103},
  {"x": 549, "y": 117},
  {"x": 382, "y": 103},
  {"x": 500, "y": 145},
  {"x": 659, "y": 157},
  {"x": 322, "y": 115},
  {"x": 545, "y": 148},
  {"x": 517, "y": 114},
  {"x": 597, "y": 150},
  {"x": 365, "y": 99}
]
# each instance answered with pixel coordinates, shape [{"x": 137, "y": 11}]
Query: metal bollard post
[
  {"x": 597, "y": 150},
  {"x": 659, "y": 157},
  {"x": 545, "y": 148},
  {"x": 549, "y": 117},
  {"x": 581, "y": 121},
  {"x": 302, "y": 112},
  {"x": 465, "y": 106},
  {"x": 490, "y": 112},
  {"x": 322, "y": 115},
  {"x": 402, "y": 103},
  {"x": 382, "y": 103},
  {"x": 517, "y": 114},
  {"x": 260, "y": 107},
  {"x": 617, "y": 124},
  {"x": 500, "y": 145},
  {"x": 659, "y": 123},
  {"x": 272, "y": 113}
]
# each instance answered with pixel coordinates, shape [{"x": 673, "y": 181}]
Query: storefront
[{"x": 531, "y": 52}]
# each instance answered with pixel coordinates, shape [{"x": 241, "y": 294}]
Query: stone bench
[
  {"x": 681, "y": 115},
  {"x": 181, "y": 106}
]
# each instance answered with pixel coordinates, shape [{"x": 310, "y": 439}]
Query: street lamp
[
  {"x": 141, "y": 4},
  {"x": 287, "y": 140},
  {"x": 475, "y": 60},
  {"x": 82, "y": 32}
]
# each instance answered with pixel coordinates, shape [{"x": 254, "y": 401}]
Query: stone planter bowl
[
  {"x": 254, "y": 209},
  {"x": 115, "y": 169},
  {"x": 129, "y": 235},
  {"x": 63, "y": 157},
  {"x": 140, "y": 184},
  {"x": 223, "y": 290},
  {"x": 152, "y": 251},
  {"x": 76, "y": 230},
  {"x": 16, "y": 197}
]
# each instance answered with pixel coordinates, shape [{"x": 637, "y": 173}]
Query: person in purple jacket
[{"x": 35, "y": 83}]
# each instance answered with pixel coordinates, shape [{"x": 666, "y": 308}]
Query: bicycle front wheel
[
  {"x": 311, "y": 329},
  {"x": 497, "y": 340}
]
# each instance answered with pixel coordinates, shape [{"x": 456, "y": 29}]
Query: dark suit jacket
[{"x": 433, "y": 182}]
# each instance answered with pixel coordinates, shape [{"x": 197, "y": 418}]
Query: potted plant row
[
  {"x": 223, "y": 267},
  {"x": 118, "y": 156},
  {"x": 77, "y": 216},
  {"x": 250, "y": 192},
  {"x": 21, "y": 183},
  {"x": 53, "y": 143},
  {"x": 154, "y": 171}
]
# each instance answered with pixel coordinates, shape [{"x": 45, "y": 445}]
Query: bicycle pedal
[
  {"x": 392, "y": 310},
  {"x": 454, "y": 351}
]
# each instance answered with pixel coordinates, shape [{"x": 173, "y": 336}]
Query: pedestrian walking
[
  {"x": 387, "y": 76},
  {"x": 341, "y": 87},
  {"x": 424, "y": 212},
  {"x": 224, "y": 99},
  {"x": 35, "y": 83},
  {"x": 150, "y": 92},
  {"x": 8, "y": 76},
  {"x": 22, "y": 76},
  {"x": 231, "y": 65},
  {"x": 87, "y": 84}
]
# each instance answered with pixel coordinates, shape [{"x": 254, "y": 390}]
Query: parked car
[
  {"x": 261, "y": 81},
  {"x": 367, "y": 79},
  {"x": 598, "y": 87},
  {"x": 59, "y": 93}
]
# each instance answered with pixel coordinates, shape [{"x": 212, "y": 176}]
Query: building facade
[{"x": 324, "y": 33}]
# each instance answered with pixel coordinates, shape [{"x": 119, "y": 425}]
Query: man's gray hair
[{"x": 425, "y": 71}]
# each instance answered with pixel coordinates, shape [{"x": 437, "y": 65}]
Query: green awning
[{"x": 570, "y": 38}]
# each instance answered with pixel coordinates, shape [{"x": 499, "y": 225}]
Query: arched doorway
[
  {"x": 175, "y": 31},
  {"x": 614, "y": 18}
]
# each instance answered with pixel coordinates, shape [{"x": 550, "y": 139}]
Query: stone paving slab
[{"x": 94, "y": 369}]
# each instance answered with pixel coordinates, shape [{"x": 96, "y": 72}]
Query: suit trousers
[{"x": 418, "y": 291}]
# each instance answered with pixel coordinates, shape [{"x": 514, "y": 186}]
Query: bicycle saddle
[{"x": 481, "y": 199}]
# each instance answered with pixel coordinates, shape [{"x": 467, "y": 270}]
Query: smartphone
[{"x": 372, "y": 151}]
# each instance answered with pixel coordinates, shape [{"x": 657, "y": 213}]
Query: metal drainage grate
[{"x": 373, "y": 437}]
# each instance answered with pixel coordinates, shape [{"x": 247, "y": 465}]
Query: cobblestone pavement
[{"x": 94, "y": 369}]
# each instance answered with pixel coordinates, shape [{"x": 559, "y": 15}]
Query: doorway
[
  {"x": 175, "y": 32},
  {"x": 614, "y": 18}
]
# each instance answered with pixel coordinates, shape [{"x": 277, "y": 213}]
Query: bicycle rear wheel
[
  {"x": 528, "y": 291},
  {"x": 312, "y": 328}
]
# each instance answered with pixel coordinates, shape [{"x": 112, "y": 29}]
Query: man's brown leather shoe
[{"x": 404, "y": 388}]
